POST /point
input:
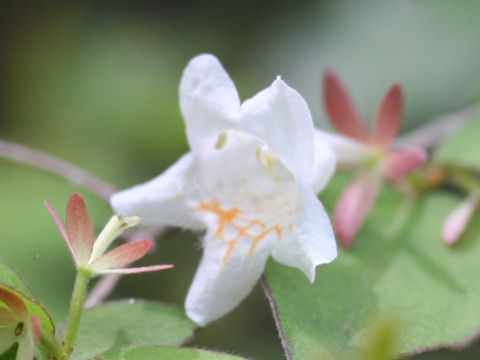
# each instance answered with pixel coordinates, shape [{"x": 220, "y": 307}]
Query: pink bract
[
  {"x": 358, "y": 198},
  {"x": 354, "y": 205}
]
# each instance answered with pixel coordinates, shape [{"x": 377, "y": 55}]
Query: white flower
[{"x": 250, "y": 180}]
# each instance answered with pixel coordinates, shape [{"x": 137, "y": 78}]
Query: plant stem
[
  {"x": 465, "y": 179},
  {"x": 438, "y": 129},
  {"x": 50, "y": 346},
  {"x": 273, "y": 307},
  {"x": 24, "y": 154},
  {"x": 76, "y": 309}
]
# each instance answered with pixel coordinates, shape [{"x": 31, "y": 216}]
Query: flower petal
[
  {"x": 14, "y": 302},
  {"x": 247, "y": 203},
  {"x": 349, "y": 152},
  {"x": 340, "y": 108},
  {"x": 26, "y": 345},
  {"x": 458, "y": 220},
  {"x": 6, "y": 317},
  {"x": 311, "y": 241},
  {"x": 220, "y": 285},
  {"x": 244, "y": 173},
  {"x": 398, "y": 163},
  {"x": 354, "y": 205},
  {"x": 389, "y": 116},
  {"x": 137, "y": 270},
  {"x": 79, "y": 228},
  {"x": 280, "y": 117},
  {"x": 162, "y": 201},
  {"x": 122, "y": 255},
  {"x": 323, "y": 166},
  {"x": 114, "y": 228},
  {"x": 7, "y": 337},
  {"x": 208, "y": 100},
  {"x": 60, "y": 227},
  {"x": 210, "y": 105}
]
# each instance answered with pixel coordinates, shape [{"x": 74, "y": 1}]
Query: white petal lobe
[
  {"x": 208, "y": 100},
  {"x": 280, "y": 117},
  {"x": 323, "y": 166},
  {"x": 312, "y": 241},
  {"x": 220, "y": 283},
  {"x": 161, "y": 201}
]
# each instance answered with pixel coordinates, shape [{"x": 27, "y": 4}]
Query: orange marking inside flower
[
  {"x": 225, "y": 217},
  {"x": 277, "y": 228},
  {"x": 230, "y": 217}
]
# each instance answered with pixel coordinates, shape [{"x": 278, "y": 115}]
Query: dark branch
[
  {"x": 278, "y": 324},
  {"x": 52, "y": 164},
  {"x": 438, "y": 129}
]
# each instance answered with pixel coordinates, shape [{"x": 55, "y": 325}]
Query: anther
[{"x": 221, "y": 141}]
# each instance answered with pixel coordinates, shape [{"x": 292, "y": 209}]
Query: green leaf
[
  {"x": 10, "y": 354},
  {"x": 462, "y": 148},
  {"x": 33, "y": 307},
  {"x": 168, "y": 353},
  {"x": 10, "y": 277},
  {"x": 116, "y": 325},
  {"x": 399, "y": 269}
]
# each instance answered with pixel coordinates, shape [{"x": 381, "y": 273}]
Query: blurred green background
[{"x": 95, "y": 83}]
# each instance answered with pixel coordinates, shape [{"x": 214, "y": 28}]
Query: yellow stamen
[
  {"x": 271, "y": 160},
  {"x": 267, "y": 159},
  {"x": 221, "y": 141}
]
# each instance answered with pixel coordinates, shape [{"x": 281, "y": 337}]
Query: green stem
[
  {"x": 50, "y": 346},
  {"x": 465, "y": 179},
  {"x": 76, "y": 309}
]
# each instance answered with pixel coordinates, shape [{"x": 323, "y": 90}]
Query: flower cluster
[
  {"x": 250, "y": 180},
  {"x": 371, "y": 153}
]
